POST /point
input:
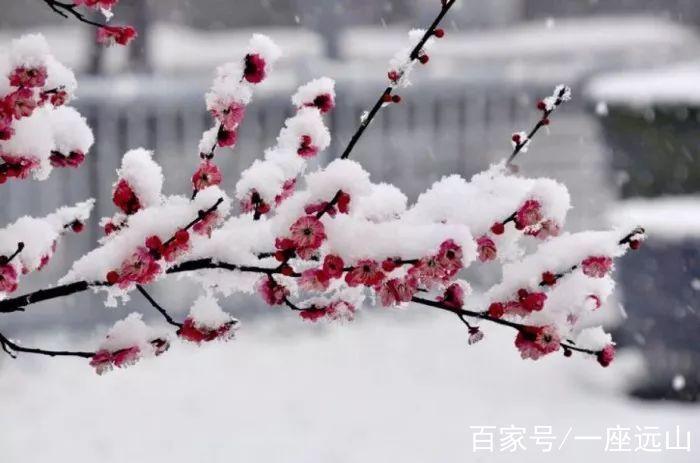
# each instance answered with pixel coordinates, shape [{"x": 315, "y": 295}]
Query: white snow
[
  {"x": 264, "y": 46},
  {"x": 391, "y": 386},
  {"x": 339, "y": 174},
  {"x": 593, "y": 338},
  {"x": 309, "y": 91},
  {"x": 383, "y": 202},
  {"x": 354, "y": 238},
  {"x": 307, "y": 121},
  {"x": 33, "y": 138},
  {"x": 265, "y": 177},
  {"x": 144, "y": 176},
  {"x": 29, "y": 51},
  {"x": 207, "y": 313},
  {"x": 488, "y": 197},
  {"x": 130, "y": 332},
  {"x": 70, "y": 131}
]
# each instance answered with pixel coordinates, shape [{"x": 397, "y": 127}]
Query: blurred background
[{"x": 627, "y": 146}]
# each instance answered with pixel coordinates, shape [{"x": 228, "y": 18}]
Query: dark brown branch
[
  {"x": 11, "y": 348},
  {"x": 208, "y": 263},
  {"x": 628, "y": 238},
  {"x": 4, "y": 260},
  {"x": 200, "y": 216},
  {"x": 461, "y": 313},
  {"x": 569, "y": 346},
  {"x": 293, "y": 306},
  {"x": 64, "y": 9},
  {"x": 365, "y": 123},
  {"x": 18, "y": 303},
  {"x": 158, "y": 307},
  {"x": 415, "y": 53},
  {"x": 467, "y": 313}
]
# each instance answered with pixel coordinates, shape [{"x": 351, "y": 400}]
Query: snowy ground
[{"x": 381, "y": 390}]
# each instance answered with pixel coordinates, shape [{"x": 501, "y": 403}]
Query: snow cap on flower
[
  {"x": 126, "y": 342},
  {"x": 70, "y": 131},
  {"x": 207, "y": 322},
  {"x": 30, "y": 51},
  {"x": 261, "y": 44},
  {"x": 265, "y": 177},
  {"x": 319, "y": 94},
  {"x": 382, "y": 203},
  {"x": 40, "y": 235},
  {"x": 488, "y": 197},
  {"x": 143, "y": 175},
  {"x": 305, "y": 133}
]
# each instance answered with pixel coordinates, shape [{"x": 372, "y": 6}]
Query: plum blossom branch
[
  {"x": 11, "y": 348},
  {"x": 521, "y": 140},
  {"x": 631, "y": 239},
  {"x": 461, "y": 313},
  {"x": 18, "y": 303},
  {"x": 386, "y": 96}
]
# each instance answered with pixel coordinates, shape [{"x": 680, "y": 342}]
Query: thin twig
[
  {"x": 485, "y": 316},
  {"x": 414, "y": 55},
  {"x": 200, "y": 216},
  {"x": 544, "y": 120},
  {"x": 158, "y": 307},
  {"x": 63, "y": 9},
  {"x": 11, "y": 348}
]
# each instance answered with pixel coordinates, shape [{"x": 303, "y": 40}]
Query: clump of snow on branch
[
  {"x": 207, "y": 322},
  {"x": 401, "y": 64},
  {"x": 37, "y": 132},
  {"x": 143, "y": 175},
  {"x": 497, "y": 205},
  {"x": 126, "y": 343},
  {"x": 28, "y": 244}
]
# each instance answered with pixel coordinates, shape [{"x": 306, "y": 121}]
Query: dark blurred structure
[
  {"x": 685, "y": 11},
  {"x": 655, "y": 148},
  {"x": 663, "y": 322}
]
